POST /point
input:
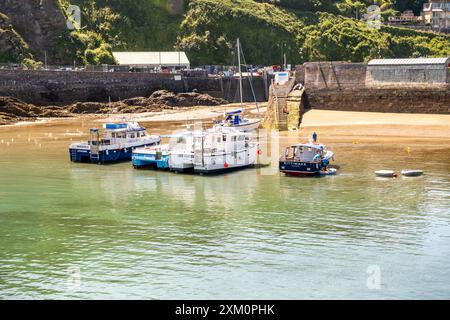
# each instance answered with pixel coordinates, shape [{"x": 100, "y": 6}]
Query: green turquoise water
[{"x": 87, "y": 231}]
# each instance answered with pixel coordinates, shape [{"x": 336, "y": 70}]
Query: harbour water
[{"x": 87, "y": 231}]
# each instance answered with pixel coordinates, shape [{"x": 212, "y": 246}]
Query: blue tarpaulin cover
[{"x": 113, "y": 126}]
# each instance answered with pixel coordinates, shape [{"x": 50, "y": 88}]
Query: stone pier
[{"x": 285, "y": 107}]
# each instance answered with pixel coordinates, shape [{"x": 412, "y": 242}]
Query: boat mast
[{"x": 240, "y": 72}]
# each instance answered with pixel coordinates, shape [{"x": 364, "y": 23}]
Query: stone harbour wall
[
  {"x": 66, "y": 87},
  {"x": 398, "y": 99},
  {"x": 351, "y": 87}
]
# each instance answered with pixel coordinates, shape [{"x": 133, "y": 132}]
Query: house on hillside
[{"x": 437, "y": 15}]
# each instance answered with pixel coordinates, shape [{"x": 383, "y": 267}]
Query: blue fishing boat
[
  {"x": 156, "y": 157},
  {"x": 307, "y": 159},
  {"x": 115, "y": 143}
]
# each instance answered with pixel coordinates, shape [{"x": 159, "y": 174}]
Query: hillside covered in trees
[{"x": 207, "y": 29}]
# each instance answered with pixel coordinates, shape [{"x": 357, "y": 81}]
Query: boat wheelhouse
[
  {"x": 306, "y": 159},
  {"x": 115, "y": 143}
]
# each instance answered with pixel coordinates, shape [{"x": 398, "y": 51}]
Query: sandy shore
[
  {"x": 332, "y": 126},
  {"x": 183, "y": 115},
  {"x": 376, "y": 126}
]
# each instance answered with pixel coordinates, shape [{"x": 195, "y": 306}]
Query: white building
[
  {"x": 437, "y": 14},
  {"x": 418, "y": 70},
  {"x": 153, "y": 59}
]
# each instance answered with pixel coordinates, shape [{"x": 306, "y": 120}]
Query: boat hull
[
  {"x": 105, "y": 156},
  {"x": 222, "y": 162},
  {"x": 141, "y": 161},
  {"x": 222, "y": 170},
  {"x": 296, "y": 168},
  {"x": 181, "y": 162},
  {"x": 245, "y": 127}
]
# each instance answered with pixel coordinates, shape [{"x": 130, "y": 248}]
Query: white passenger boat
[
  {"x": 213, "y": 150},
  {"x": 115, "y": 143},
  {"x": 223, "y": 149}
]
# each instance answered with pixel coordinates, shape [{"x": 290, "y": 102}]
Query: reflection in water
[{"x": 148, "y": 234}]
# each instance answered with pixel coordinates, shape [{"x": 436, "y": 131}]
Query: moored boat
[
  {"x": 115, "y": 143},
  {"x": 412, "y": 173},
  {"x": 307, "y": 159},
  {"x": 223, "y": 149},
  {"x": 181, "y": 151},
  {"x": 385, "y": 173},
  {"x": 234, "y": 120}
]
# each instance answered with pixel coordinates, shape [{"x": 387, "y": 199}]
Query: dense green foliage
[
  {"x": 207, "y": 29},
  {"x": 89, "y": 45},
  {"x": 12, "y": 46},
  {"x": 210, "y": 28}
]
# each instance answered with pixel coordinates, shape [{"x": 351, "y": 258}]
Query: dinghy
[
  {"x": 412, "y": 173},
  {"x": 385, "y": 174},
  {"x": 329, "y": 172}
]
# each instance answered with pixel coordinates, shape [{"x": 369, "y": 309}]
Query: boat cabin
[
  {"x": 117, "y": 133},
  {"x": 221, "y": 141},
  {"x": 233, "y": 117},
  {"x": 305, "y": 152}
]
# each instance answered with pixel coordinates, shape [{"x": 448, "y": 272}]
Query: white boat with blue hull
[{"x": 116, "y": 143}]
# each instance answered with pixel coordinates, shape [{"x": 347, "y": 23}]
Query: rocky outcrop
[
  {"x": 12, "y": 109},
  {"x": 157, "y": 101},
  {"x": 39, "y": 23},
  {"x": 12, "y": 47}
]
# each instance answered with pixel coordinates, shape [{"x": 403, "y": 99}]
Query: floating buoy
[
  {"x": 385, "y": 174},
  {"x": 412, "y": 173}
]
